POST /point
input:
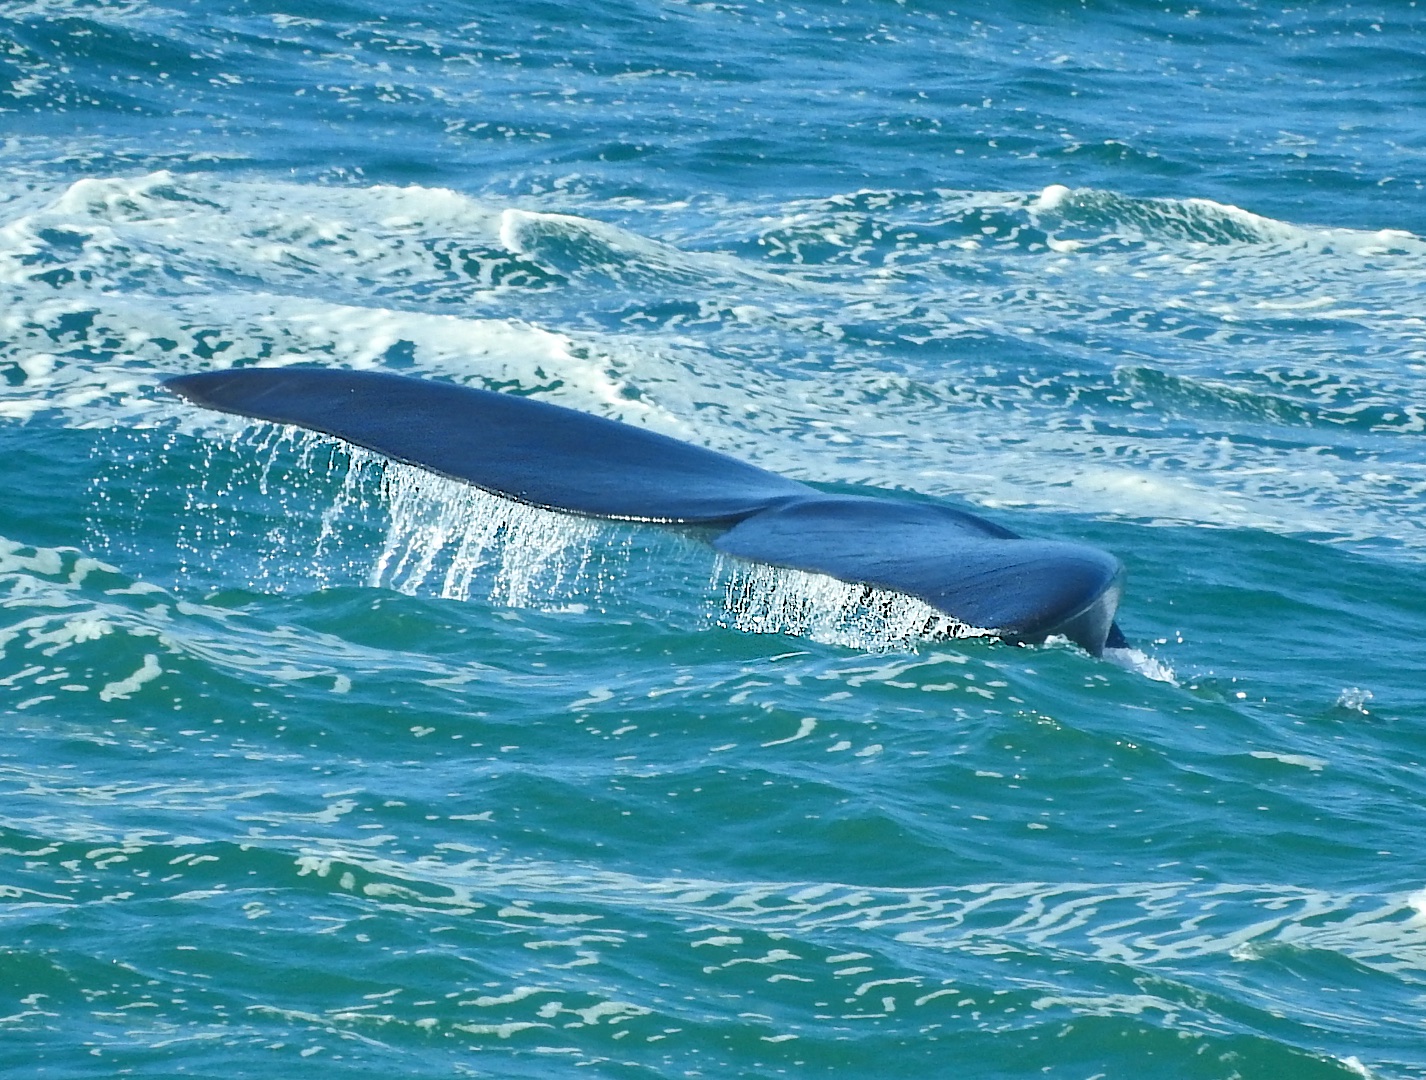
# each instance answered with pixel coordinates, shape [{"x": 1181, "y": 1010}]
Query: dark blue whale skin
[{"x": 548, "y": 456}]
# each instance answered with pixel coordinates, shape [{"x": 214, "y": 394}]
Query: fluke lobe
[{"x": 555, "y": 458}]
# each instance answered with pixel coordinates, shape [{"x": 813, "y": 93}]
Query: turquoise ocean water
[{"x": 311, "y": 767}]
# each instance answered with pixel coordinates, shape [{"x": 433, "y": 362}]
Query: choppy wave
[
  {"x": 273, "y": 799},
  {"x": 564, "y": 948},
  {"x": 956, "y": 343},
  {"x": 1104, "y": 216}
]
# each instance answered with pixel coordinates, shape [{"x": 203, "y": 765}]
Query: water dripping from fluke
[{"x": 475, "y": 474}]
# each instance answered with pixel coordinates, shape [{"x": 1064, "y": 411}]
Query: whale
[{"x": 1023, "y": 590}]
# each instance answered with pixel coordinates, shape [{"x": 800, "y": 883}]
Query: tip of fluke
[
  {"x": 978, "y": 573},
  {"x": 230, "y": 391},
  {"x": 1092, "y": 628},
  {"x": 196, "y": 388},
  {"x": 178, "y": 385}
]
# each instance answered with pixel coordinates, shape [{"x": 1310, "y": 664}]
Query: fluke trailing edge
[{"x": 560, "y": 459}]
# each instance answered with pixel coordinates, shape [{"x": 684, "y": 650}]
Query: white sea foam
[
  {"x": 1355, "y": 699},
  {"x": 126, "y": 230},
  {"x": 1151, "y": 667},
  {"x": 113, "y": 282},
  {"x": 126, "y": 687},
  {"x": 1302, "y": 761}
]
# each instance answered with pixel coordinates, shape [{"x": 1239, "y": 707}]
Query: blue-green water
[{"x": 307, "y": 768}]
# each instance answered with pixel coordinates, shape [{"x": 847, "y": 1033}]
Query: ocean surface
[{"x": 313, "y": 766}]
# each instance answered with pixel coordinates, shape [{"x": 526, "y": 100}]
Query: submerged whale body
[{"x": 548, "y": 456}]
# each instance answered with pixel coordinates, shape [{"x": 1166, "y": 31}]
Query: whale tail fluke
[{"x": 544, "y": 455}]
